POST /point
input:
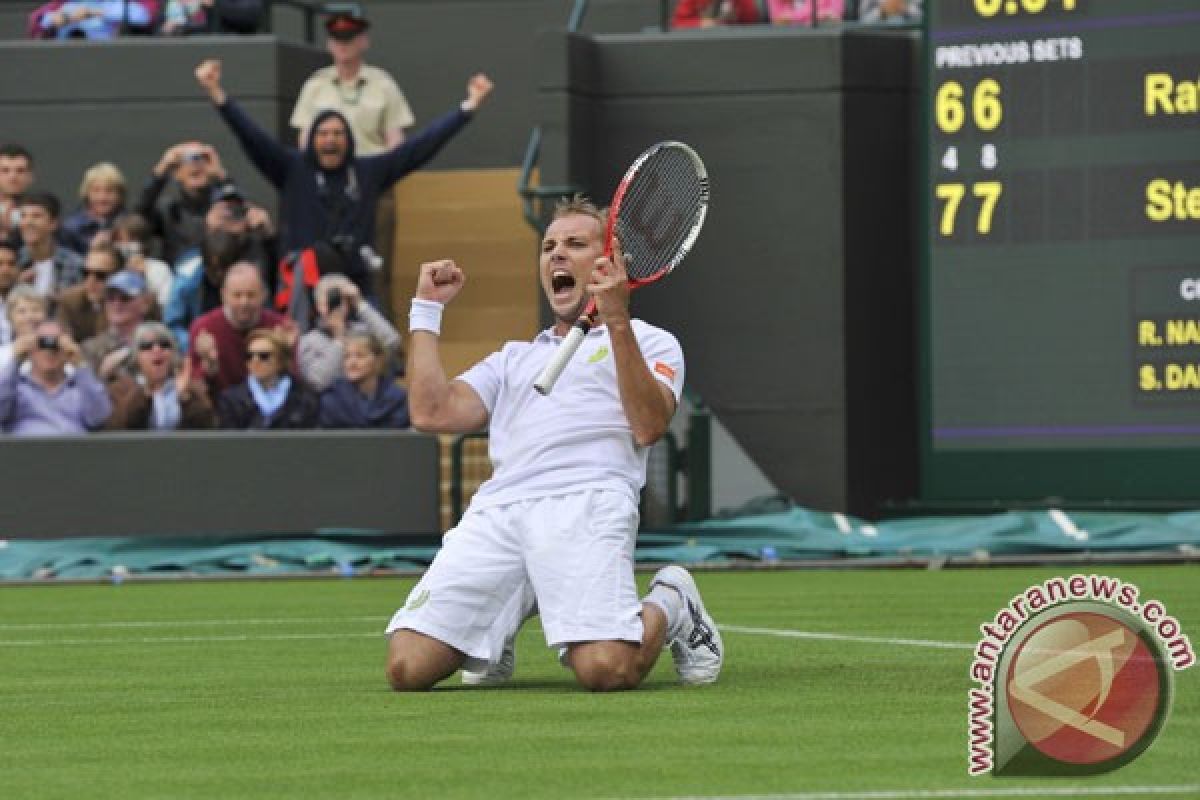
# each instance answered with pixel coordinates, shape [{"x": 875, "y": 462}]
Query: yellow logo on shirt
[{"x": 599, "y": 355}]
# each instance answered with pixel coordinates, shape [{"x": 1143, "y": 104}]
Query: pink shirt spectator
[{"x": 798, "y": 12}]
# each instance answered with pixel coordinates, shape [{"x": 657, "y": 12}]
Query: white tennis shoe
[
  {"x": 500, "y": 672},
  {"x": 696, "y": 646}
]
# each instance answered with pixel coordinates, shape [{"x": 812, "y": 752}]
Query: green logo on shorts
[
  {"x": 598, "y": 355},
  {"x": 418, "y": 601}
]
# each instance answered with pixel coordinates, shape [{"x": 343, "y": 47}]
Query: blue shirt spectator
[{"x": 45, "y": 396}]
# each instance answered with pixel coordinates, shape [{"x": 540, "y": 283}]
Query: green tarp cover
[{"x": 794, "y": 534}]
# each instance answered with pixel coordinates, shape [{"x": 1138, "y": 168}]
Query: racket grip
[{"x": 545, "y": 382}]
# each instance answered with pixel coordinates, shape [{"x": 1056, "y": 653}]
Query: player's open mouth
[{"x": 561, "y": 281}]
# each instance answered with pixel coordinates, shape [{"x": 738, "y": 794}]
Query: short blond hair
[
  {"x": 579, "y": 204},
  {"x": 25, "y": 293},
  {"x": 105, "y": 172}
]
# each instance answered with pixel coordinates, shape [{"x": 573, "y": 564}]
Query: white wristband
[{"x": 425, "y": 315}]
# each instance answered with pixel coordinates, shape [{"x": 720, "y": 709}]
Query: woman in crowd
[
  {"x": 364, "y": 397},
  {"x": 270, "y": 397},
  {"x": 156, "y": 391},
  {"x": 101, "y": 200},
  {"x": 26, "y": 308}
]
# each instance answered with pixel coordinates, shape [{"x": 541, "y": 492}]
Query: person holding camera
[
  {"x": 340, "y": 313},
  {"x": 57, "y": 394},
  {"x": 176, "y": 199},
  {"x": 131, "y": 238},
  {"x": 329, "y": 193}
]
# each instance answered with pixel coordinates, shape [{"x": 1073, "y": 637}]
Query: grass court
[{"x": 837, "y": 684}]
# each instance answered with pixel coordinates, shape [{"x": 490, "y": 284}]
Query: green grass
[{"x": 275, "y": 689}]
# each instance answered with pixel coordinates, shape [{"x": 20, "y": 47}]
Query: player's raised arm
[
  {"x": 436, "y": 403},
  {"x": 648, "y": 403}
]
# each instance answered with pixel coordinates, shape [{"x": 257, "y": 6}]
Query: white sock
[{"x": 671, "y": 603}]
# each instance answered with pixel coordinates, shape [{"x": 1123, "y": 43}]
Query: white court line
[
  {"x": 265, "y": 637},
  {"x": 780, "y": 632},
  {"x": 952, "y": 794},
  {"x": 848, "y": 637},
  {"x": 185, "y": 623}
]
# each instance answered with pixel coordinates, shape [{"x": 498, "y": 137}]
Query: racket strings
[{"x": 659, "y": 212}]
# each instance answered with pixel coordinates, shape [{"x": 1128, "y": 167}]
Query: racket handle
[{"x": 545, "y": 382}]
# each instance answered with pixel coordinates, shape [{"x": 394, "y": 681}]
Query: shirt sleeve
[
  {"x": 487, "y": 378},
  {"x": 396, "y": 111},
  {"x": 302, "y": 114},
  {"x": 95, "y": 401},
  {"x": 664, "y": 357}
]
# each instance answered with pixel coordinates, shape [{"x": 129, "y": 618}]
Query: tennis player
[{"x": 560, "y": 511}]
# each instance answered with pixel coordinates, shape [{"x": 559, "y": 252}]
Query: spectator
[
  {"x": 799, "y": 12},
  {"x": 156, "y": 391},
  {"x": 16, "y": 176},
  {"x": 102, "y": 198},
  {"x": 46, "y": 396},
  {"x": 186, "y": 17},
  {"x": 364, "y": 397},
  {"x": 131, "y": 236},
  {"x": 328, "y": 192},
  {"x": 340, "y": 312},
  {"x": 234, "y": 231},
  {"x": 374, "y": 108},
  {"x": 9, "y": 273},
  {"x": 368, "y": 97},
  {"x": 889, "y": 11},
  {"x": 219, "y": 336},
  {"x": 47, "y": 266},
  {"x": 125, "y": 305},
  {"x": 94, "y": 19},
  {"x": 25, "y": 309},
  {"x": 269, "y": 397},
  {"x": 712, "y": 13},
  {"x": 176, "y": 199},
  {"x": 81, "y": 307}
]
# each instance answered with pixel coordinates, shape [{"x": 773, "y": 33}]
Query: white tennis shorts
[{"x": 574, "y": 551}]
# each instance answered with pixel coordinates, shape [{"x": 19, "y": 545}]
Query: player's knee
[
  {"x": 404, "y": 676},
  {"x": 605, "y": 670}
]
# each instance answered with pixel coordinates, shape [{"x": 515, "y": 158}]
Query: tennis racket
[{"x": 656, "y": 214}]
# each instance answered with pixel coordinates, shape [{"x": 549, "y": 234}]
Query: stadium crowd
[{"x": 184, "y": 304}]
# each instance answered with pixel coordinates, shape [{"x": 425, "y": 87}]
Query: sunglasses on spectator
[
  {"x": 102, "y": 274},
  {"x": 48, "y": 341},
  {"x": 119, "y": 297},
  {"x": 261, "y": 355},
  {"x": 150, "y": 344}
]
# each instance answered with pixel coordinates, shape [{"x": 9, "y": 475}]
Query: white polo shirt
[{"x": 575, "y": 438}]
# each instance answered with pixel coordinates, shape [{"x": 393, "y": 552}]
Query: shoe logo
[
  {"x": 418, "y": 601},
  {"x": 599, "y": 355},
  {"x": 701, "y": 635}
]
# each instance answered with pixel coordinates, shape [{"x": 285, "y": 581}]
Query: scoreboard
[{"x": 1061, "y": 259}]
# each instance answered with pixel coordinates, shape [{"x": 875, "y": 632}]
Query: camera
[
  {"x": 333, "y": 298},
  {"x": 343, "y": 245},
  {"x": 47, "y": 341},
  {"x": 237, "y": 211},
  {"x": 195, "y": 156}
]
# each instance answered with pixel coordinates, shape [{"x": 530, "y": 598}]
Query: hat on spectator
[
  {"x": 346, "y": 22},
  {"x": 127, "y": 282},
  {"x": 226, "y": 191}
]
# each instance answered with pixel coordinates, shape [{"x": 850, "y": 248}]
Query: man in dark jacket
[{"x": 328, "y": 194}]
